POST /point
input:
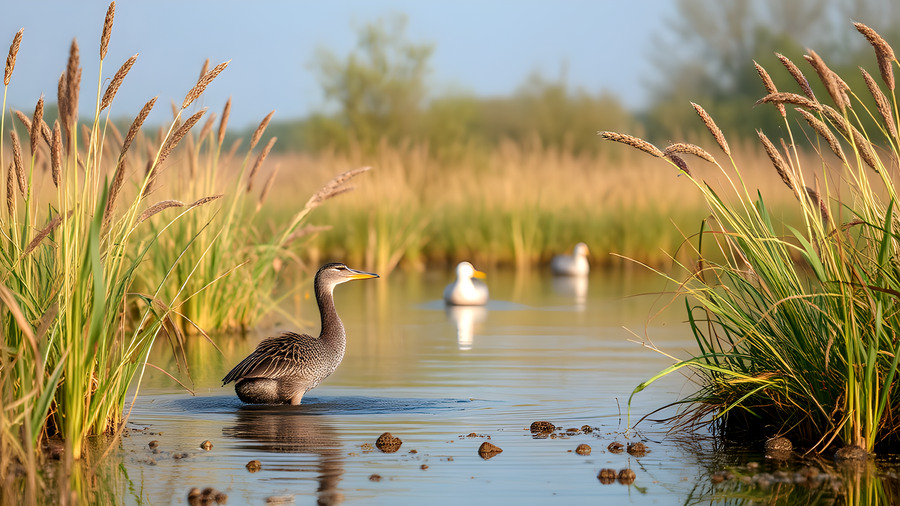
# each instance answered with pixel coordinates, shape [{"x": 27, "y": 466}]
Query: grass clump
[
  {"x": 798, "y": 327},
  {"x": 77, "y": 226}
]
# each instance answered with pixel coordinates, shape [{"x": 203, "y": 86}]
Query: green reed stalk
[{"x": 798, "y": 330}]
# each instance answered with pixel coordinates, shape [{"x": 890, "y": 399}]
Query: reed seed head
[
  {"x": 713, "y": 128},
  {"x": 205, "y": 200},
  {"x": 777, "y": 160},
  {"x": 259, "y": 161},
  {"x": 11, "y": 56},
  {"x": 680, "y": 163},
  {"x": 866, "y": 152},
  {"x": 36, "y": 122},
  {"x": 791, "y": 98},
  {"x": 56, "y": 154},
  {"x": 259, "y": 130},
  {"x": 158, "y": 208},
  {"x": 25, "y": 120},
  {"x": 136, "y": 125},
  {"x": 822, "y": 129},
  {"x": 202, "y": 83},
  {"x": 17, "y": 161},
  {"x": 769, "y": 85},
  {"x": 632, "y": 141},
  {"x": 10, "y": 203},
  {"x": 883, "y": 53},
  {"x": 116, "y": 82},
  {"x": 107, "y": 29},
  {"x": 828, "y": 78},
  {"x": 61, "y": 102},
  {"x": 42, "y": 234},
  {"x": 270, "y": 181},
  {"x": 881, "y": 102},
  {"x": 797, "y": 75},
  {"x": 73, "y": 82},
  {"x": 223, "y": 123},
  {"x": 334, "y": 187},
  {"x": 691, "y": 149},
  {"x": 114, "y": 190}
]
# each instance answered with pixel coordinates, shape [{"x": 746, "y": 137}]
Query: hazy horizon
[{"x": 487, "y": 49}]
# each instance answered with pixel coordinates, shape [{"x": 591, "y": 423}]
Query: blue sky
[{"x": 486, "y": 47}]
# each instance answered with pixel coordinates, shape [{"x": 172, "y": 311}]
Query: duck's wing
[{"x": 274, "y": 357}]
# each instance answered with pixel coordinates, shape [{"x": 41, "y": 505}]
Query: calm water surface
[{"x": 543, "y": 349}]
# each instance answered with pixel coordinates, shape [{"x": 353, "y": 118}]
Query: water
[{"x": 443, "y": 381}]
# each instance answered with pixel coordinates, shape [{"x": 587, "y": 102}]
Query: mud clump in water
[
  {"x": 254, "y": 466},
  {"x": 488, "y": 450},
  {"x": 852, "y": 452},
  {"x": 607, "y": 476},
  {"x": 388, "y": 443},
  {"x": 208, "y": 495},
  {"x": 626, "y": 476},
  {"x": 615, "y": 447},
  {"x": 542, "y": 427},
  {"x": 583, "y": 449},
  {"x": 778, "y": 448},
  {"x": 637, "y": 449},
  {"x": 206, "y": 445}
]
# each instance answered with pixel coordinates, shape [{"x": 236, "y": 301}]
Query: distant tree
[
  {"x": 379, "y": 87},
  {"x": 710, "y": 47}
]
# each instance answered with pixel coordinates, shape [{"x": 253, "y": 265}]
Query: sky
[{"x": 487, "y": 48}]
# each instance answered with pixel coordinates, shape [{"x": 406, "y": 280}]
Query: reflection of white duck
[
  {"x": 465, "y": 318},
  {"x": 575, "y": 264},
  {"x": 575, "y": 287},
  {"x": 466, "y": 291}
]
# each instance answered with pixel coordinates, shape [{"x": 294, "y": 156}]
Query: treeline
[{"x": 379, "y": 91}]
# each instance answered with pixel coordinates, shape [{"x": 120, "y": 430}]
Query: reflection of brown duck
[
  {"x": 286, "y": 430},
  {"x": 281, "y": 369}
]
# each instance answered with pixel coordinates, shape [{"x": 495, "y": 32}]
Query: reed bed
[
  {"x": 511, "y": 207},
  {"x": 797, "y": 325},
  {"x": 108, "y": 242}
]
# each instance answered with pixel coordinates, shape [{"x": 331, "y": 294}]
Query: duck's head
[
  {"x": 465, "y": 270},
  {"x": 336, "y": 273}
]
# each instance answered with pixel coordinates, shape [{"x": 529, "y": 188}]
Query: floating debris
[
  {"x": 488, "y": 450},
  {"x": 615, "y": 447},
  {"x": 206, "y": 496},
  {"x": 423, "y": 467},
  {"x": 374, "y": 477},
  {"x": 849, "y": 453},
  {"x": 388, "y": 443},
  {"x": 607, "y": 476},
  {"x": 206, "y": 445},
  {"x": 542, "y": 426},
  {"x": 626, "y": 476},
  {"x": 583, "y": 449},
  {"x": 153, "y": 444},
  {"x": 254, "y": 466},
  {"x": 637, "y": 449}
]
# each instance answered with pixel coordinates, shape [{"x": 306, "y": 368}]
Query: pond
[{"x": 444, "y": 382}]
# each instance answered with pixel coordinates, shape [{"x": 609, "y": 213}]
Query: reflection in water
[
  {"x": 465, "y": 318},
  {"x": 289, "y": 429},
  {"x": 572, "y": 286}
]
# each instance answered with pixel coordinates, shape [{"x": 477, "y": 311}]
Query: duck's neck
[{"x": 332, "y": 327}]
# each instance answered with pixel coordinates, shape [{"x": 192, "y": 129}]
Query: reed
[
  {"x": 237, "y": 250},
  {"x": 797, "y": 326},
  {"x": 76, "y": 334}
]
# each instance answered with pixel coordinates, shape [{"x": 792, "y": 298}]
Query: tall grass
[
  {"x": 75, "y": 333},
  {"x": 513, "y": 206},
  {"x": 798, "y": 325},
  {"x": 235, "y": 257}
]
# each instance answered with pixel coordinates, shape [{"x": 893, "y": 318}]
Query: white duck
[
  {"x": 575, "y": 264},
  {"x": 466, "y": 291}
]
